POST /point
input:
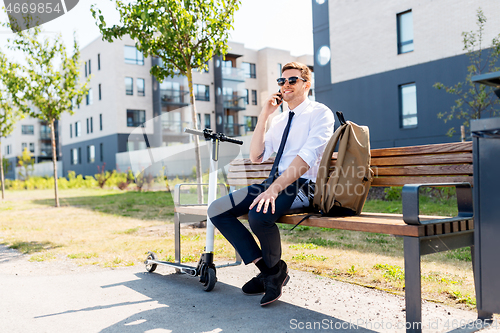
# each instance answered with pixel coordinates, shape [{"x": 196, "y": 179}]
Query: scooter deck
[{"x": 192, "y": 270}]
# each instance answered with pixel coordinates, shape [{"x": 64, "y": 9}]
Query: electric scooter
[{"x": 205, "y": 269}]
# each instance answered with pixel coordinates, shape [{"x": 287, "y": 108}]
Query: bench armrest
[
  {"x": 411, "y": 209},
  {"x": 177, "y": 193}
]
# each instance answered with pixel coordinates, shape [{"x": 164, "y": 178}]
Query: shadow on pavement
[{"x": 188, "y": 308}]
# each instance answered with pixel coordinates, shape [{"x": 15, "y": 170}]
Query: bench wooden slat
[
  {"x": 378, "y": 181},
  {"x": 249, "y": 174},
  {"x": 423, "y": 160},
  {"x": 455, "y": 147},
  {"x": 458, "y": 169},
  {"x": 246, "y": 161},
  {"x": 357, "y": 223},
  {"x": 250, "y": 167}
]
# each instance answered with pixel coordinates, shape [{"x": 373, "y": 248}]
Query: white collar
[{"x": 301, "y": 107}]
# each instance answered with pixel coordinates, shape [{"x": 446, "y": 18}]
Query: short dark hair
[{"x": 305, "y": 72}]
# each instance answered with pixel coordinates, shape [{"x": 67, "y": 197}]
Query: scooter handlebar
[
  {"x": 193, "y": 131},
  {"x": 208, "y": 134},
  {"x": 238, "y": 142}
]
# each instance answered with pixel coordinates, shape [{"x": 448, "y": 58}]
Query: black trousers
[{"x": 224, "y": 211}]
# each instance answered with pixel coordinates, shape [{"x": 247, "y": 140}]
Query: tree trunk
[
  {"x": 199, "y": 171},
  {"x": 2, "y": 178},
  {"x": 54, "y": 158}
]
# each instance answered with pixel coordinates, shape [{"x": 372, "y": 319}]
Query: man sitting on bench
[{"x": 299, "y": 136}]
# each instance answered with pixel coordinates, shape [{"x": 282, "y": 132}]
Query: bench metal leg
[
  {"x": 177, "y": 237},
  {"x": 482, "y": 315},
  {"x": 413, "y": 296}
]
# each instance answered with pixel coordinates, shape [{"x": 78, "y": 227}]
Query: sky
[{"x": 281, "y": 24}]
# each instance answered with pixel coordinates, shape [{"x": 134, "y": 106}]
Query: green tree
[
  {"x": 26, "y": 163},
  {"x": 474, "y": 100},
  {"x": 183, "y": 34},
  {"x": 51, "y": 80},
  {"x": 10, "y": 85}
]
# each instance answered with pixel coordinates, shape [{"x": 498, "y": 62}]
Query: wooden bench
[{"x": 412, "y": 168}]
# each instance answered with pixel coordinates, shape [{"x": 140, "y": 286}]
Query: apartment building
[
  {"x": 30, "y": 134},
  {"x": 378, "y": 61},
  {"x": 124, "y": 97}
]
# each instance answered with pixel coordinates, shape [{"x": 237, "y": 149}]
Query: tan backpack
[{"x": 343, "y": 191}]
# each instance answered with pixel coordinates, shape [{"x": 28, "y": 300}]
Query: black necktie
[{"x": 274, "y": 171}]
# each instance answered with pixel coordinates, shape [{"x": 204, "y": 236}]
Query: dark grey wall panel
[
  {"x": 321, "y": 36},
  {"x": 374, "y": 101},
  {"x": 110, "y": 148},
  {"x": 11, "y": 174}
]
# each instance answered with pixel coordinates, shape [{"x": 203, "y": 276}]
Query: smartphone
[{"x": 280, "y": 98}]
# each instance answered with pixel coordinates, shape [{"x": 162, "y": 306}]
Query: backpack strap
[
  {"x": 340, "y": 115},
  {"x": 324, "y": 167}
]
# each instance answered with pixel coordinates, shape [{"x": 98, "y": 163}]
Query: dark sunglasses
[{"x": 291, "y": 80}]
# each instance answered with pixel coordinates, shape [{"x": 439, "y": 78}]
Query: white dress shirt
[{"x": 310, "y": 131}]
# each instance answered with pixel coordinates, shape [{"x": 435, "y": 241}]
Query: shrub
[{"x": 393, "y": 193}]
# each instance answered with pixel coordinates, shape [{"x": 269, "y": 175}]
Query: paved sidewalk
[{"x": 58, "y": 296}]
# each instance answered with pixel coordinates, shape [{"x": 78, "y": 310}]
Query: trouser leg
[
  {"x": 223, "y": 213},
  {"x": 264, "y": 225}
]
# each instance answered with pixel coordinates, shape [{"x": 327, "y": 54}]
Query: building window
[
  {"x": 88, "y": 126},
  {"x": 207, "y": 120},
  {"x": 249, "y": 69},
  {"x": 90, "y": 67},
  {"x": 28, "y": 129},
  {"x": 70, "y": 130},
  {"x": 100, "y": 122},
  {"x": 129, "y": 86},
  {"x": 130, "y": 146},
  {"x": 279, "y": 69},
  {"x": 101, "y": 151},
  {"x": 86, "y": 69},
  {"x": 91, "y": 125},
  {"x": 100, "y": 92},
  {"x": 78, "y": 129},
  {"x": 405, "y": 32},
  {"x": 7, "y": 150},
  {"x": 250, "y": 123},
  {"x": 254, "y": 97},
  {"x": 201, "y": 92},
  {"x": 135, "y": 118},
  {"x": 32, "y": 147},
  {"x": 24, "y": 146},
  {"x": 133, "y": 56},
  {"x": 206, "y": 70},
  {"x": 91, "y": 154},
  {"x": 141, "y": 89},
  {"x": 74, "y": 156},
  {"x": 80, "y": 155},
  {"x": 408, "y": 105},
  {"x": 89, "y": 98},
  {"x": 247, "y": 97},
  {"x": 98, "y": 61}
]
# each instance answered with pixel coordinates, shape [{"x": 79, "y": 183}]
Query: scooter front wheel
[{"x": 210, "y": 279}]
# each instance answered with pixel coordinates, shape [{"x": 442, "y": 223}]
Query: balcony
[
  {"x": 234, "y": 102},
  {"x": 174, "y": 97},
  {"x": 233, "y": 74},
  {"x": 234, "y": 129}
]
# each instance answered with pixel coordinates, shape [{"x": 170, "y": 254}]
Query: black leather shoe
[
  {"x": 274, "y": 283},
  {"x": 255, "y": 286}
]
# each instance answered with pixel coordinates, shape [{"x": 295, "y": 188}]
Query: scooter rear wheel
[{"x": 151, "y": 267}]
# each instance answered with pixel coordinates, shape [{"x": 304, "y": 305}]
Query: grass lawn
[{"x": 113, "y": 228}]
